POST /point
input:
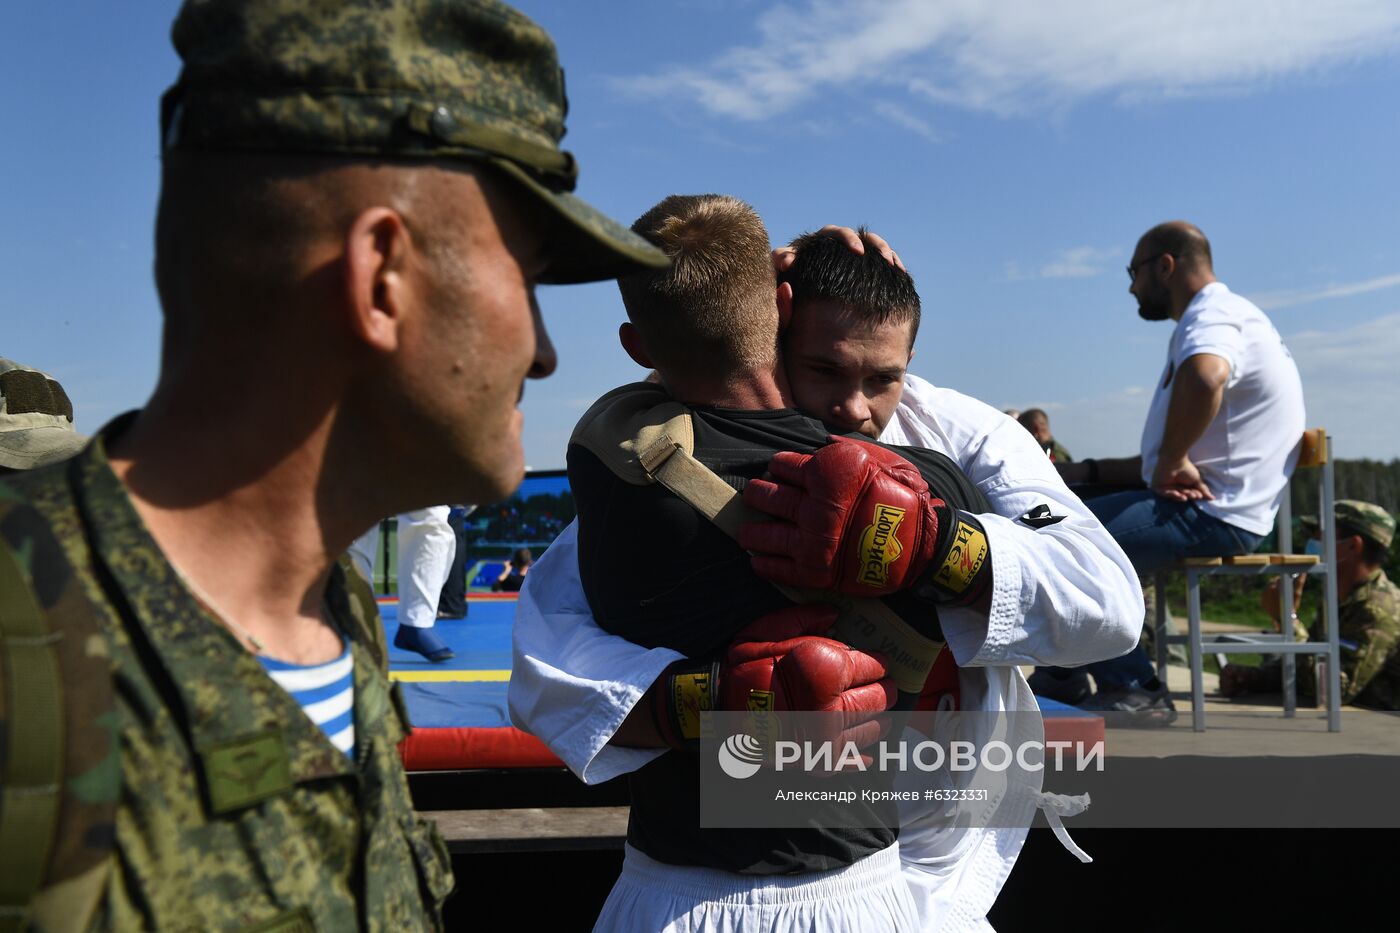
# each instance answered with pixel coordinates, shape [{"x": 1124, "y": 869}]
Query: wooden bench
[{"x": 531, "y": 829}]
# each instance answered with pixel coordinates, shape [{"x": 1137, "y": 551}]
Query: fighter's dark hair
[{"x": 870, "y": 288}]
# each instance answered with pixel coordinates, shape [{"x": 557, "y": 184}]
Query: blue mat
[
  {"x": 446, "y": 706},
  {"x": 482, "y": 644},
  {"x": 1053, "y": 708}
]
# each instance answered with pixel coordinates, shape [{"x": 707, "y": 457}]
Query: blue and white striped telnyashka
[{"x": 325, "y": 691}]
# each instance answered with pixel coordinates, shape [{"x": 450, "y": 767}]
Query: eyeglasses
[{"x": 1134, "y": 267}]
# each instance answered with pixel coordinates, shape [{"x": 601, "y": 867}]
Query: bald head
[
  {"x": 1183, "y": 241},
  {"x": 1170, "y": 265}
]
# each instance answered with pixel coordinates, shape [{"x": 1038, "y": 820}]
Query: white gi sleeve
[
  {"x": 571, "y": 683},
  {"x": 1063, "y": 591}
]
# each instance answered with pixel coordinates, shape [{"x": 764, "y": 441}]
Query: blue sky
[{"x": 1012, "y": 152}]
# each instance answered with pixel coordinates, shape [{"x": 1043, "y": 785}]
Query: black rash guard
[{"x": 660, "y": 574}]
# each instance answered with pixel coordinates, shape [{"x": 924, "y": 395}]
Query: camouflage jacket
[
  {"x": 1369, "y": 618},
  {"x": 235, "y": 812},
  {"x": 1368, "y": 623}
]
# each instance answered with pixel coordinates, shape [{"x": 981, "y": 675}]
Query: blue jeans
[{"x": 1155, "y": 532}]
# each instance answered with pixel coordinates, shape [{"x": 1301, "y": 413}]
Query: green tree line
[{"x": 1368, "y": 480}]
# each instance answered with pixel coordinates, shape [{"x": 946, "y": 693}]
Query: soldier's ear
[
  {"x": 375, "y": 284},
  {"x": 1348, "y": 545},
  {"x": 632, "y": 342}
]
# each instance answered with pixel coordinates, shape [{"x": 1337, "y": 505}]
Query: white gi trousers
[
  {"x": 426, "y": 546},
  {"x": 870, "y": 896}
]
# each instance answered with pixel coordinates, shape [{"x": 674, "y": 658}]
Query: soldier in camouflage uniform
[
  {"x": 358, "y": 198},
  {"x": 1368, "y": 618}
]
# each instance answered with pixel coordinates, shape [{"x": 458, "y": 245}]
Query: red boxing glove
[
  {"x": 860, "y": 519},
  {"x": 779, "y": 662}
]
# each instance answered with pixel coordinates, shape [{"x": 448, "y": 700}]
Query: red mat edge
[
  {"x": 464, "y": 748},
  {"x": 1085, "y": 731},
  {"x": 455, "y": 749}
]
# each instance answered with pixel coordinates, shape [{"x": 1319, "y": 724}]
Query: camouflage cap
[
  {"x": 1369, "y": 519},
  {"x": 36, "y": 419},
  {"x": 471, "y": 80}
]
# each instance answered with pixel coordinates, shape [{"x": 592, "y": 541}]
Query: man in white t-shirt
[{"x": 1220, "y": 442}]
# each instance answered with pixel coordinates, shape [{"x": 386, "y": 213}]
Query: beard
[{"x": 1155, "y": 305}]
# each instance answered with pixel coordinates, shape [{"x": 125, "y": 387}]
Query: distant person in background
[
  {"x": 1220, "y": 442},
  {"x": 1368, "y": 618},
  {"x": 426, "y": 545},
  {"x": 512, "y": 576},
  {"x": 36, "y": 419},
  {"x": 452, "y": 602},
  {"x": 1013, "y": 413},
  {"x": 1037, "y": 422}
]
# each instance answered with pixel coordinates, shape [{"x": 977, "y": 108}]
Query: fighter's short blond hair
[{"x": 713, "y": 311}]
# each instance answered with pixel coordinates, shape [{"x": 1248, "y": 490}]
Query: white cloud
[
  {"x": 901, "y": 117},
  {"x": 1286, "y": 299},
  {"x": 1079, "y": 262},
  {"x": 1356, "y": 355},
  {"x": 1350, "y": 384},
  {"x": 1018, "y": 55}
]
